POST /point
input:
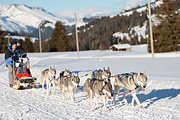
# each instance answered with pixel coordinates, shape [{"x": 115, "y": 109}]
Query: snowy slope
[
  {"x": 20, "y": 17},
  {"x": 139, "y": 31},
  {"x": 160, "y": 100},
  {"x": 23, "y": 18}
]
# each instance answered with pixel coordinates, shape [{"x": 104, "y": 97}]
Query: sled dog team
[{"x": 99, "y": 85}]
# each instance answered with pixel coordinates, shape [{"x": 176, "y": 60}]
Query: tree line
[{"x": 98, "y": 34}]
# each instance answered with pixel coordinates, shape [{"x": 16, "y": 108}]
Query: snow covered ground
[{"x": 160, "y": 100}]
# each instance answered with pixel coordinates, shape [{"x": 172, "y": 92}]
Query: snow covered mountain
[{"x": 22, "y": 18}]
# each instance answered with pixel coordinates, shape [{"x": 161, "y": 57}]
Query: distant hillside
[{"x": 130, "y": 27}]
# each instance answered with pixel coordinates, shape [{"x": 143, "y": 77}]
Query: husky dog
[
  {"x": 48, "y": 76},
  {"x": 69, "y": 83},
  {"x": 133, "y": 82},
  {"x": 97, "y": 88},
  {"x": 63, "y": 74},
  {"x": 101, "y": 74}
]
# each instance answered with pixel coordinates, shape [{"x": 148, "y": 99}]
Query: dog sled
[{"x": 22, "y": 74}]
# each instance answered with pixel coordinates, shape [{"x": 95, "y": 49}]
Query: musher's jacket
[{"x": 10, "y": 54}]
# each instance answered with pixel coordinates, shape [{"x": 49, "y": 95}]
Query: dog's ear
[
  {"x": 68, "y": 69},
  {"x": 103, "y": 69},
  {"x": 108, "y": 69},
  {"x": 65, "y": 69},
  {"x": 138, "y": 74},
  {"x": 53, "y": 67},
  {"x": 78, "y": 75},
  {"x": 50, "y": 67},
  {"x": 144, "y": 73}
]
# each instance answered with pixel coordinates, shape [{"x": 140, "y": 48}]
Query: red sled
[{"x": 22, "y": 74}]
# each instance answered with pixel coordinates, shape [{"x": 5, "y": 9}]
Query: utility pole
[
  {"x": 77, "y": 42},
  {"x": 39, "y": 26},
  {"x": 40, "y": 37},
  {"x": 150, "y": 27}
]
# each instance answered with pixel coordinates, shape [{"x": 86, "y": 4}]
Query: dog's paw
[
  {"x": 126, "y": 102},
  {"x": 132, "y": 104},
  {"x": 93, "y": 109},
  {"x": 114, "y": 103},
  {"x": 105, "y": 110},
  {"x": 141, "y": 106}
]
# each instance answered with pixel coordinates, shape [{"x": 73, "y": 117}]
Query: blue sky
[
  {"x": 57, "y": 5},
  {"x": 83, "y": 6}
]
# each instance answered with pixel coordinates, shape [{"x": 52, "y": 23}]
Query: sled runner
[{"x": 22, "y": 74}]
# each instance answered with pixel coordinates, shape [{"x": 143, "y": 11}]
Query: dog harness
[
  {"x": 101, "y": 90},
  {"x": 97, "y": 72},
  {"x": 127, "y": 75},
  {"x": 93, "y": 74}
]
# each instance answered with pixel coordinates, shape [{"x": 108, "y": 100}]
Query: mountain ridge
[{"x": 23, "y": 18}]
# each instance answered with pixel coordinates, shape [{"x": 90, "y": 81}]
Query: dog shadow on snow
[
  {"x": 153, "y": 96},
  {"x": 40, "y": 86}
]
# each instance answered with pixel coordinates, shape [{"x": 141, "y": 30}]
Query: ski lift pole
[{"x": 77, "y": 42}]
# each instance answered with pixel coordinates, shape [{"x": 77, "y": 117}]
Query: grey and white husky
[
  {"x": 63, "y": 74},
  {"x": 69, "y": 83},
  {"x": 48, "y": 76},
  {"x": 133, "y": 82},
  {"x": 101, "y": 74},
  {"x": 97, "y": 88}
]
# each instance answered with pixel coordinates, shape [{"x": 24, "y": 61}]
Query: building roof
[{"x": 121, "y": 46}]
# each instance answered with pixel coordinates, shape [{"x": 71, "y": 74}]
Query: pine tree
[
  {"x": 45, "y": 46},
  {"x": 59, "y": 39},
  {"x": 3, "y": 43},
  {"x": 167, "y": 33},
  {"x": 27, "y": 45}
]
